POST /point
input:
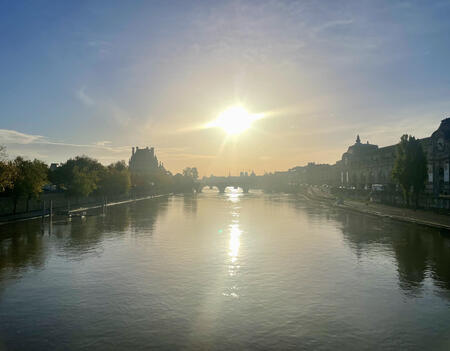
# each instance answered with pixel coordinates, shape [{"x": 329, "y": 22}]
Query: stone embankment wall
[{"x": 59, "y": 202}]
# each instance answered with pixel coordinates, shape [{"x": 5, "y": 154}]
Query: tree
[
  {"x": 410, "y": 168},
  {"x": 194, "y": 173},
  {"x": 7, "y": 175},
  {"x": 188, "y": 182},
  {"x": 2, "y": 152},
  {"x": 82, "y": 182},
  {"x": 190, "y": 172},
  {"x": 181, "y": 183},
  {"x": 7, "y": 171},
  {"x": 115, "y": 180},
  {"x": 80, "y": 176},
  {"x": 163, "y": 181},
  {"x": 29, "y": 178},
  {"x": 187, "y": 172}
]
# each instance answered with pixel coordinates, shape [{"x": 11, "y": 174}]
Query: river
[{"x": 223, "y": 272}]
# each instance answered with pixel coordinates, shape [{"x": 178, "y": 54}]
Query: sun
[{"x": 235, "y": 120}]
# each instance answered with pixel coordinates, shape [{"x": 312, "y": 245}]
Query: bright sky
[{"x": 95, "y": 78}]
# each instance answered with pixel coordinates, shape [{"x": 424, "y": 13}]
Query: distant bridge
[{"x": 245, "y": 183}]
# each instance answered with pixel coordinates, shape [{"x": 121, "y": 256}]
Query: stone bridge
[{"x": 245, "y": 183}]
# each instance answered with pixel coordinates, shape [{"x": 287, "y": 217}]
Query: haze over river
[{"x": 224, "y": 271}]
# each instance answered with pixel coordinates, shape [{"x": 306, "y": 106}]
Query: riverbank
[
  {"x": 425, "y": 218},
  {"x": 39, "y": 214},
  {"x": 421, "y": 217}
]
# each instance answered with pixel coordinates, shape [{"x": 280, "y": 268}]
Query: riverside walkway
[
  {"x": 43, "y": 214},
  {"x": 423, "y": 217}
]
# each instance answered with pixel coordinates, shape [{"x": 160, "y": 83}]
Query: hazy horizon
[{"x": 98, "y": 78}]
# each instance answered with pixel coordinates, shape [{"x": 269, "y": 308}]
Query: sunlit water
[{"x": 228, "y": 271}]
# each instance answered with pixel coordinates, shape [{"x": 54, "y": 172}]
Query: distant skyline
[{"x": 97, "y": 78}]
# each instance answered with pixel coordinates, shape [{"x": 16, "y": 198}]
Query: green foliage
[
  {"x": 79, "y": 176},
  {"x": 410, "y": 168},
  {"x": 141, "y": 183},
  {"x": 8, "y": 171},
  {"x": 182, "y": 183},
  {"x": 190, "y": 172},
  {"x": 7, "y": 175},
  {"x": 186, "y": 182},
  {"x": 82, "y": 182},
  {"x": 2, "y": 152},
  {"x": 28, "y": 178},
  {"x": 83, "y": 176},
  {"x": 162, "y": 181},
  {"x": 115, "y": 180}
]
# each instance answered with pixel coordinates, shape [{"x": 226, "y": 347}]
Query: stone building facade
[
  {"x": 143, "y": 161},
  {"x": 366, "y": 164}
]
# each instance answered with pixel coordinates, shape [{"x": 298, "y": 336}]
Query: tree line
[
  {"x": 83, "y": 176},
  {"x": 410, "y": 168}
]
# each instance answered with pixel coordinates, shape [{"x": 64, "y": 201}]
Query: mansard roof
[
  {"x": 444, "y": 129},
  {"x": 359, "y": 148}
]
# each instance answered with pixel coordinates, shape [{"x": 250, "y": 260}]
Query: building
[
  {"x": 314, "y": 174},
  {"x": 143, "y": 161},
  {"x": 366, "y": 164},
  {"x": 438, "y": 155}
]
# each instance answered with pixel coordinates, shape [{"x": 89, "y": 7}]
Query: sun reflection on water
[
  {"x": 234, "y": 243},
  {"x": 235, "y": 233},
  {"x": 233, "y": 251},
  {"x": 233, "y": 195}
]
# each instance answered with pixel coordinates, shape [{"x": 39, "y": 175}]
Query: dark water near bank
[{"x": 226, "y": 271}]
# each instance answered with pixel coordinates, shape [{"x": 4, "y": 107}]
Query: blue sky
[{"x": 96, "y": 77}]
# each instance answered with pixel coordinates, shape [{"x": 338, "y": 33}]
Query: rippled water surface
[{"x": 229, "y": 271}]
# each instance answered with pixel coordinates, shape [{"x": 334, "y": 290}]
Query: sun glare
[{"x": 235, "y": 120}]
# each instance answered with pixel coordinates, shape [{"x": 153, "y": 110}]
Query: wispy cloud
[
  {"x": 105, "y": 107},
  {"x": 19, "y": 143},
  {"x": 332, "y": 25},
  {"x": 14, "y": 137},
  {"x": 49, "y": 150},
  {"x": 84, "y": 98},
  {"x": 101, "y": 47},
  {"x": 103, "y": 143}
]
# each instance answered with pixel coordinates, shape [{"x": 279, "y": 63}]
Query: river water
[{"x": 225, "y": 272}]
